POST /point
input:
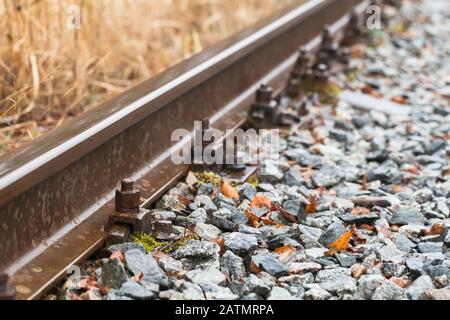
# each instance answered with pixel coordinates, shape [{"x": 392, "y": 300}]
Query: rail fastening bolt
[{"x": 128, "y": 197}]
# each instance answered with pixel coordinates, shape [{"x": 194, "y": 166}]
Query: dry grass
[{"x": 49, "y": 72}]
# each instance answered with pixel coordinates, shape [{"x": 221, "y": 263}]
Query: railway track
[{"x": 57, "y": 194}]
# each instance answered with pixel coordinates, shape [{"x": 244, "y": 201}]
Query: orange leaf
[
  {"x": 253, "y": 220},
  {"x": 117, "y": 255},
  {"x": 311, "y": 207},
  {"x": 221, "y": 242},
  {"x": 138, "y": 277},
  {"x": 227, "y": 190},
  {"x": 260, "y": 201},
  {"x": 254, "y": 268},
  {"x": 88, "y": 283},
  {"x": 343, "y": 242},
  {"x": 398, "y": 99},
  {"x": 357, "y": 211},
  {"x": 286, "y": 249}
]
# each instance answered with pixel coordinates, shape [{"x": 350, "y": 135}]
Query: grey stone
[
  {"x": 403, "y": 243},
  {"x": 436, "y": 294},
  {"x": 113, "y": 274},
  {"x": 270, "y": 264},
  {"x": 389, "y": 253},
  {"x": 293, "y": 177},
  {"x": 298, "y": 279},
  {"x": 407, "y": 216},
  {"x": 192, "y": 291},
  {"x": 169, "y": 264},
  {"x": 255, "y": 285},
  {"x": 426, "y": 247},
  {"x": 199, "y": 215},
  {"x": 367, "y": 284},
  {"x": 278, "y": 293},
  {"x": 360, "y": 219},
  {"x": 124, "y": 247},
  {"x": 389, "y": 291},
  {"x": 316, "y": 293},
  {"x": 333, "y": 232},
  {"x": 297, "y": 208},
  {"x": 341, "y": 285},
  {"x": 208, "y": 275},
  {"x": 393, "y": 269},
  {"x": 332, "y": 274},
  {"x": 240, "y": 243},
  {"x": 207, "y": 231},
  {"x": 135, "y": 291},
  {"x": 204, "y": 201},
  {"x": 419, "y": 286},
  {"x": 415, "y": 266},
  {"x": 215, "y": 292},
  {"x": 232, "y": 265},
  {"x": 346, "y": 260},
  {"x": 327, "y": 176},
  {"x": 197, "y": 249},
  {"x": 138, "y": 262}
]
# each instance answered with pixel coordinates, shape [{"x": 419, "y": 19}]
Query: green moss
[
  {"x": 208, "y": 177},
  {"x": 150, "y": 243}
]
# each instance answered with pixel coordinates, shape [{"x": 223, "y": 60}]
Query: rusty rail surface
[{"x": 57, "y": 193}]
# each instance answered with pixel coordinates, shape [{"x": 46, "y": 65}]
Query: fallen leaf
[
  {"x": 401, "y": 282},
  {"x": 253, "y": 220},
  {"x": 313, "y": 200},
  {"x": 343, "y": 242},
  {"x": 88, "y": 283},
  {"x": 358, "y": 211},
  {"x": 289, "y": 216},
  {"x": 117, "y": 255},
  {"x": 254, "y": 268},
  {"x": 227, "y": 190},
  {"x": 221, "y": 242},
  {"x": 268, "y": 221},
  {"x": 437, "y": 228},
  {"x": 396, "y": 188},
  {"x": 285, "y": 250},
  {"x": 398, "y": 99},
  {"x": 261, "y": 201},
  {"x": 138, "y": 277},
  {"x": 364, "y": 181}
]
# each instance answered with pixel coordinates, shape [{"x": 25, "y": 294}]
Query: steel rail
[{"x": 56, "y": 194}]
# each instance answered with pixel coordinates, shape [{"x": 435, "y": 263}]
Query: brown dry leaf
[
  {"x": 138, "y": 277},
  {"x": 261, "y": 201},
  {"x": 253, "y": 220},
  {"x": 268, "y": 221},
  {"x": 401, "y": 282},
  {"x": 364, "y": 181},
  {"x": 398, "y": 99},
  {"x": 437, "y": 228},
  {"x": 313, "y": 200},
  {"x": 88, "y": 283},
  {"x": 254, "y": 268},
  {"x": 413, "y": 169},
  {"x": 285, "y": 213},
  {"x": 221, "y": 242},
  {"x": 227, "y": 190},
  {"x": 343, "y": 242},
  {"x": 367, "y": 227},
  {"x": 285, "y": 250},
  {"x": 117, "y": 255},
  {"x": 396, "y": 188},
  {"x": 358, "y": 211}
]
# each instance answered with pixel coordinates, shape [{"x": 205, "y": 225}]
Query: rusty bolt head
[
  {"x": 264, "y": 94},
  {"x": 128, "y": 197}
]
